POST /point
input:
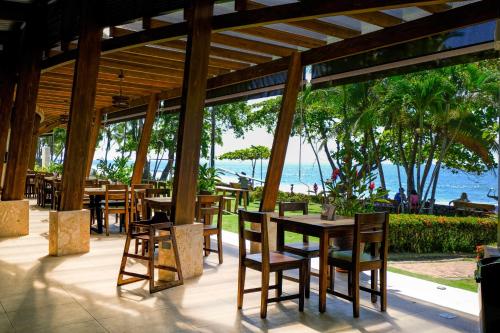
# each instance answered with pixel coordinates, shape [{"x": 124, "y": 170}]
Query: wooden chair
[
  {"x": 266, "y": 262},
  {"x": 91, "y": 182},
  {"x": 152, "y": 232},
  {"x": 116, "y": 202},
  {"x": 371, "y": 229},
  {"x": 136, "y": 198},
  {"x": 304, "y": 248},
  {"x": 56, "y": 194},
  {"x": 102, "y": 182},
  {"x": 206, "y": 207}
]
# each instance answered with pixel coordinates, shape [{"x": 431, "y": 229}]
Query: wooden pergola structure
[{"x": 63, "y": 58}]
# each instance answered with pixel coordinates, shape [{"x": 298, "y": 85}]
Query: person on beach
[
  {"x": 400, "y": 197},
  {"x": 463, "y": 198},
  {"x": 414, "y": 201},
  {"x": 244, "y": 184}
]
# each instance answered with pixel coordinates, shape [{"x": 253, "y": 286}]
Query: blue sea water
[{"x": 450, "y": 184}]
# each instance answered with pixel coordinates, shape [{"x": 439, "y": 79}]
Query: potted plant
[{"x": 208, "y": 178}]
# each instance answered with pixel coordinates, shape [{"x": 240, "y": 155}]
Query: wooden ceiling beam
[
  {"x": 453, "y": 19},
  {"x": 215, "y": 51},
  {"x": 437, "y": 8},
  {"x": 180, "y": 56},
  {"x": 120, "y": 64},
  {"x": 314, "y": 25},
  {"x": 15, "y": 11},
  {"x": 290, "y": 12},
  {"x": 179, "y": 44},
  {"x": 283, "y": 37},
  {"x": 380, "y": 19},
  {"x": 251, "y": 45},
  {"x": 64, "y": 73},
  {"x": 155, "y": 62}
]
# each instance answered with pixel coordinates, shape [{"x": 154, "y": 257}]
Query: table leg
[
  {"x": 237, "y": 201},
  {"x": 323, "y": 269},
  {"x": 280, "y": 244},
  {"x": 98, "y": 213}
]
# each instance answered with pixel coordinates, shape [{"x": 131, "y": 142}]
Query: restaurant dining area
[{"x": 85, "y": 252}]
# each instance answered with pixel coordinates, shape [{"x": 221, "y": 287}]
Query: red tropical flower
[
  {"x": 335, "y": 174},
  {"x": 371, "y": 186}
]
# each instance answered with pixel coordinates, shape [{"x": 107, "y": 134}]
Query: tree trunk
[
  {"x": 378, "y": 160},
  {"x": 168, "y": 166},
  {"x": 147, "y": 171},
  {"x": 212, "y": 137}
]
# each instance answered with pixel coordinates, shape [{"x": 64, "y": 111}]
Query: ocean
[{"x": 450, "y": 184}]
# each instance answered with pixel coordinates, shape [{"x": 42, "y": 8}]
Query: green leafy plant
[
  {"x": 355, "y": 192},
  {"x": 52, "y": 168},
  {"x": 208, "y": 178},
  {"x": 117, "y": 171},
  {"x": 252, "y": 154},
  {"x": 429, "y": 233}
]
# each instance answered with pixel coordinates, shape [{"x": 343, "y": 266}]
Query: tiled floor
[{"x": 78, "y": 293}]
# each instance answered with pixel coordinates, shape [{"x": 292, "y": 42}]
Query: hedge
[{"x": 443, "y": 234}]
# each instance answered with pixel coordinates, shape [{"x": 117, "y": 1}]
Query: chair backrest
[
  {"x": 117, "y": 192},
  {"x": 102, "y": 182},
  {"x": 293, "y": 207},
  {"x": 90, "y": 182},
  {"x": 161, "y": 184},
  {"x": 157, "y": 192},
  {"x": 261, "y": 236},
  {"x": 371, "y": 228},
  {"x": 141, "y": 186},
  {"x": 209, "y": 201}
]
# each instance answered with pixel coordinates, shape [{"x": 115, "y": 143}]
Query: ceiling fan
[{"x": 121, "y": 101}]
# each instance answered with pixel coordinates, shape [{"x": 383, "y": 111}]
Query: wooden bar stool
[{"x": 153, "y": 231}]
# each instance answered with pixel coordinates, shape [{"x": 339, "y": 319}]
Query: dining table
[
  {"x": 313, "y": 225},
  {"x": 162, "y": 204},
  {"x": 96, "y": 195},
  {"x": 237, "y": 193}
]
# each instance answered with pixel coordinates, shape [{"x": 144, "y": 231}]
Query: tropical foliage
[
  {"x": 208, "y": 178},
  {"x": 427, "y": 233},
  {"x": 252, "y": 154},
  {"x": 119, "y": 170},
  {"x": 421, "y": 122}
]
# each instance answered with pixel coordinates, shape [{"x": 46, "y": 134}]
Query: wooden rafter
[
  {"x": 286, "y": 13},
  {"x": 14, "y": 11},
  {"x": 438, "y": 23}
]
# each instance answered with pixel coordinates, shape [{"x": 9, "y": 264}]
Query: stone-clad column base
[
  {"x": 69, "y": 232},
  {"x": 272, "y": 231},
  {"x": 190, "y": 245},
  {"x": 14, "y": 218}
]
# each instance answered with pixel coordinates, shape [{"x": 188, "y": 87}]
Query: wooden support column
[
  {"x": 282, "y": 134},
  {"x": 7, "y": 87},
  {"x": 142, "y": 149},
  {"x": 94, "y": 137},
  {"x": 191, "y": 114},
  {"x": 34, "y": 142},
  {"x": 82, "y": 108},
  {"x": 23, "y": 117}
]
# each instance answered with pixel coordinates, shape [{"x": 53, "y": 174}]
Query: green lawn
[{"x": 230, "y": 223}]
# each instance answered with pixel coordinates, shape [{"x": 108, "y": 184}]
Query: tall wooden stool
[{"x": 149, "y": 231}]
